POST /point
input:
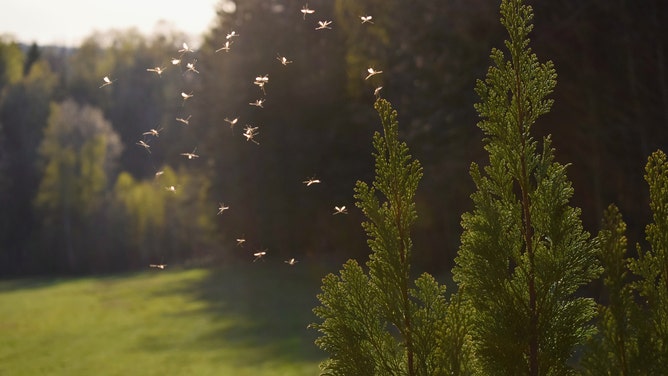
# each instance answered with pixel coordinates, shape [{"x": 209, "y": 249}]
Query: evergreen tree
[
  {"x": 615, "y": 349},
  {"x": 379, "y": 323},
  {"x": 652, "y": 268},
  {"x": 524, "y": 252},
  {"x": 633, "y": 326}
]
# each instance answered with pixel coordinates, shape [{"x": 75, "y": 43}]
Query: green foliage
[
  {"x": 377, "y": 324},
  {"x": 634, "y": 325},
  {"x": 11, "y": 63},
  {"x": 652, "y": 268},
  {"x": 78, "y": 152},
  {"x": 615, "y": 349},
  {"x": 524, "y": 252}
]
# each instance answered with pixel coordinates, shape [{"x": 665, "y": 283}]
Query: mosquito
[
  {"x": 152, "y": 132},
  {"x": 185, "y": 49},
  {"x": 259, "y": 255},
  {"x": 107, "y": 81},
  {"x": 226, "y": 47},
  {"x": 158, "y": 266},
  {"x": 185, "y": 121},
  {"x": 291, "y": 262},
  {"x": 323, "y": 25},
  {"x": 372, "y": 72},
  {"x": 306, "y": 10},
  {"x": 311, "y": 181},
  {"x": 250, "y": 133},
  {"x": 186, "y": 96},
  {"x": 366, "y": 19},
  {"x": 144, "y": 145},
  {"x": 376, "y": 91},
  {"x": 222, "y": 208},
  {"x": 170, "y": 188},
  {"x": 159, "y": 173},
  {"x": 258, "y": 103},
  {"x": 157, "y": 70},
  {"x": 190, "y": 155},
  {"x": 176, "y": 61},
  {"x": 232, "y": 122},
  {"x": 240, "y": 242},
  {"x": 261, "y": 81},
  {"x": 191, "y": 67},
  {"x": 231, "y": 35},
  {"x": 340, "y": 210},
  {"x": 284, "y": 60},
  {"x": 264, "y": 78}
]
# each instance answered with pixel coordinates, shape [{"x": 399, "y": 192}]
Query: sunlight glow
[{"x": 68, "y": 22}]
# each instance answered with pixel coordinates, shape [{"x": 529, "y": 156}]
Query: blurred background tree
[{"x": 610, "y": 112}]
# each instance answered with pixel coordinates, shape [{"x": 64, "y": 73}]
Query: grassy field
[{"x": 246, "y": 319}]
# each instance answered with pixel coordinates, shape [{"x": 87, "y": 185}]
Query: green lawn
[{"x": 245, "y": 319}]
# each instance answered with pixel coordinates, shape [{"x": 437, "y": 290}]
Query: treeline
[{"x": 78, "y": 194}]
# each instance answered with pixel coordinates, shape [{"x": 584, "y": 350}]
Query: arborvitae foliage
[
  {"x": 615, "y": 349},
  {"x": 380, "y": 323},
  {"x": 633, "y": 326},
  {"x": 652, "y": 268},
  {"x": 524, "y": 252}
]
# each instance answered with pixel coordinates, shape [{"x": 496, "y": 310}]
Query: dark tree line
[{"x": 609, "y": 114}]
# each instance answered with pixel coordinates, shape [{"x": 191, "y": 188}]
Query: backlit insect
[
  {"x": 340, "y": 210},
  {"x": 376, "y": 91},
  {"x": 190, "y": 155},
  {"x": 240, "y": 242},
  {"x": 222, "y": 208},
  {"x": 323, "y": 25},
  {"x": 170, "y": 188},
  {"x": 159, "y": 173},
  {"x": 250, "y": 133},
  {"x": 186, "y": 96},
  {"x": 158, "y": 266},
  {"x": 291, "y": 262},
  {"x": 372, "y": 72},
  {"x": 258, "y": 103},
  {"x": 284, "y": 60},
  {"x": 231, "y": 35},
  {"x": 157, "y": 70},
  {"x": 152, "y": 132},
  {"x": 366, "y": 19},
  {"x": 232, "y": 122},
  {"x": 106, "y": 81},
  {"x": 306, "y": 10},
  {"x": 144, "y": 145},
  {"x": 191, "y": 67},
  {"x": 311, "y": 181},
  {"x": 261, "y": 81},
  {"x": 185, "y": 49},
  {"x": 185, "y": 121},
  {"x": 259, "y": 255},
  {"x": 176, "y": 61},
  {"x": 226, "y": 47}
]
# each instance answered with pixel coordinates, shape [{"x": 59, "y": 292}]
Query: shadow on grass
[{"x": 263, "y": 309}]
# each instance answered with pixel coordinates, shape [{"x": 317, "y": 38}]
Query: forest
[{"x": 173, "y": 160}]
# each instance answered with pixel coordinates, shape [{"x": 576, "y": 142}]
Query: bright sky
[{"x": 68, "y": 22}]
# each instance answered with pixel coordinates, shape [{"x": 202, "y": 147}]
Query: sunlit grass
[{"x": 241, "y": 320}]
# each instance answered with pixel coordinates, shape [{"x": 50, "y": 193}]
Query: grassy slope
[{"x": 245, "y": 319}]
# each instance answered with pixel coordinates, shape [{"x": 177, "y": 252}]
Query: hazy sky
[{"x": 67, "y": 22}]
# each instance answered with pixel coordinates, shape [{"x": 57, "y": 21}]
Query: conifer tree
[
  {"x": 633, "y": 327},
  {"x": 524, "y": 252},
  {"x": 615, "y": 349},
  {"x": 380, "y": 323},
  {"x": 652, "y": 268}
]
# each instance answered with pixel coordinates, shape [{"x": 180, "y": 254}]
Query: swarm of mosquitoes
[{"x": 250, "y": 132}]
